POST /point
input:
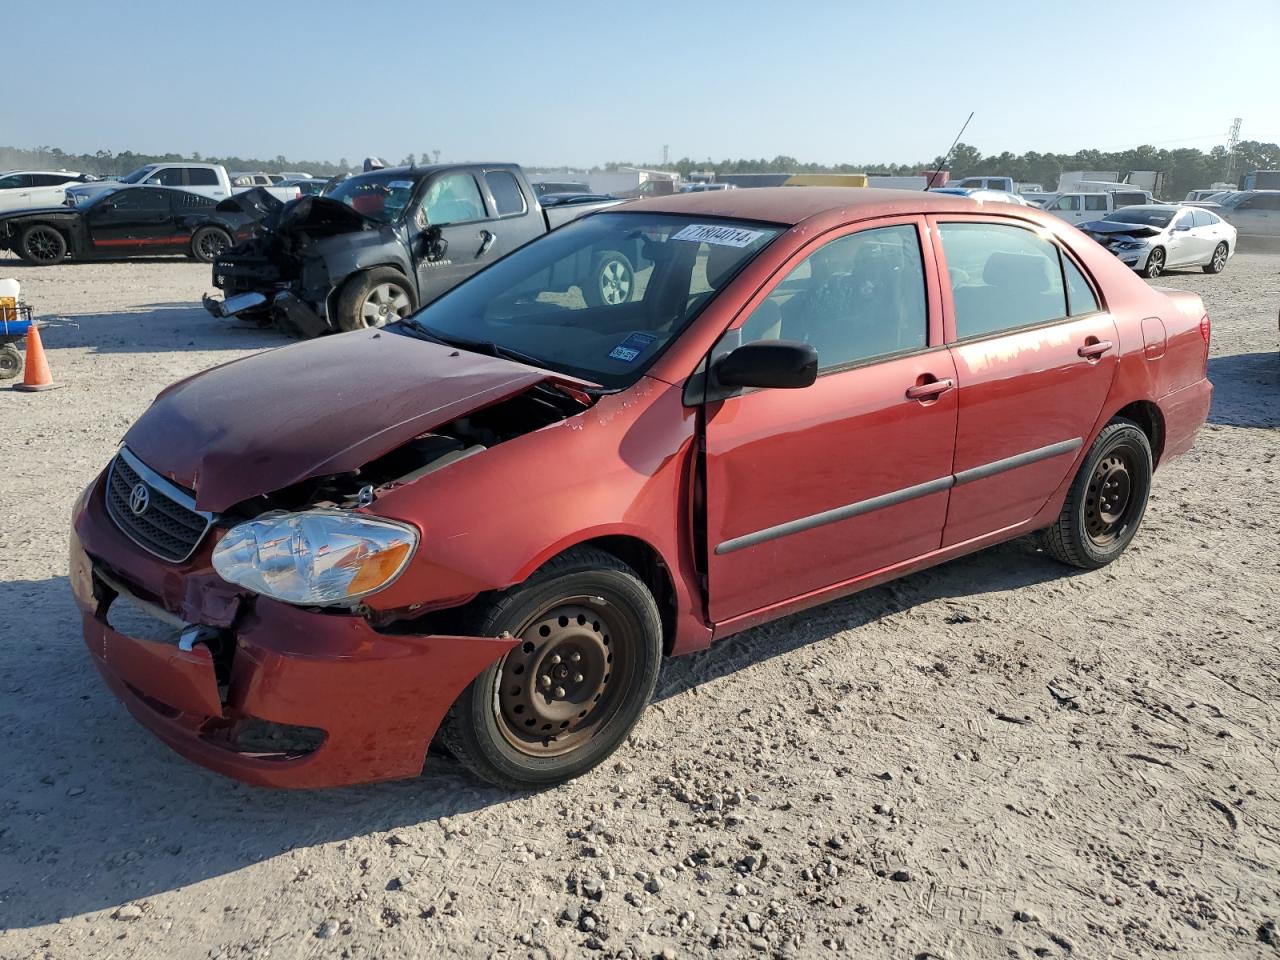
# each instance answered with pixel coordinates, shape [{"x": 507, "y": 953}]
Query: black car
[{"x": 127, "y": 222}]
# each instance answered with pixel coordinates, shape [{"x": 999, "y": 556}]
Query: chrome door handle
[
  {"x": 486, "y": 241},
  {"x": 1091, "y": 351},
  {"x": 927, "y": 391}
]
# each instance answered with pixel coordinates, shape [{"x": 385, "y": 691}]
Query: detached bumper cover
[{"x": 378, "y": 698}]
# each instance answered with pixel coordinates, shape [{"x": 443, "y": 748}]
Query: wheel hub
[
  {"x": 551, "y": 686},
  {"x": 1110, "y": 492}
]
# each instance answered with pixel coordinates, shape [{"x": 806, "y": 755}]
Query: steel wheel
[
  {"x": 385, "y": 302},
  {"x": 1155, "y": 263},
  {"x": 1108, "y": 504},
  {"x": 566, "y": 679},
  {"x": 616, "y": 280}
]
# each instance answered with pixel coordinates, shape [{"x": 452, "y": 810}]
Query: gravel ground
[{"x": 995, "y": 758}]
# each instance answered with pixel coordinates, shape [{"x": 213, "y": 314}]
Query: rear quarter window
[{"x": 508, "y": 198}]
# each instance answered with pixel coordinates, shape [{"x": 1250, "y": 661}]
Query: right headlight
[{"x": 315, "y": 557}]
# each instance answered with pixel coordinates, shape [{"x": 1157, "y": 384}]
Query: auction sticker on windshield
[
  {"x": 724, "y": 236},
  {"x": 632, "y": 347}
]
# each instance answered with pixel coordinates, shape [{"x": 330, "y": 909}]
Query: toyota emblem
[{"x": 139, "y": 499}]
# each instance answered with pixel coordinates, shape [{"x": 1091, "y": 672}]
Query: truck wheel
[
  {"x": 613, "y": 280},
  {"x": 561, "y": 701},
  {"x": 207, "y": 243},
  {"x": 10, "y": 361},
  {"x": 1219, "y": 261},
  {"x": 42, "y": 245},
  {"x": 374, "y": 299},
  {"x": 1107, "y": 499},
  {"x": 1155, "y": 264}
]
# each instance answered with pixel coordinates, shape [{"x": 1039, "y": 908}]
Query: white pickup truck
[{"x": 208, "y": 179}]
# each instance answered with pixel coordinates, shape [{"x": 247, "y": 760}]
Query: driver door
[
  {"x": 133, "y": 219},
  {"x": 1186, "y": 245},
  {"x": 453, "y": 205},
  {"x": 812, "y": 488}
]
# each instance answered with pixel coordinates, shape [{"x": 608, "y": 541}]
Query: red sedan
[{"x": 488, "y": 524}]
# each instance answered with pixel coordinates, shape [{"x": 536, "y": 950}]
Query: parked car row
[
  {"x": 29, "y": 189},
  {"x": 207, "y": 179}
]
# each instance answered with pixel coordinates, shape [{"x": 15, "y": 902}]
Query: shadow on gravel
[
  {"x": 1007, "y": 566},
  {"x": 168, "y": 328},
  {"x": 8, "y": 260},
  {"x": 94, "y": 811},
  {"x": 1246, "y": 389}
]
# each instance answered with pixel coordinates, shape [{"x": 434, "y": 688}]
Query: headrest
[
  {"x": 1021, "y": 271},
  {"x": 720, "y": 262}
]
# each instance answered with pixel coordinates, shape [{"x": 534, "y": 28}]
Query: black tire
[
  {"x": 352, "y": 312},
  {"x": 207, "y": 243},
  {"x": 1219, "y": 261},
  {"x": 613, "y": 280},
  {"x": 1107, "y": 499},
  {"x": 11, "y": 362},
  {"x": 1155, "y": 264},
  {"x": 619, "y": 633},
  {"x": 42, "y": 245}
]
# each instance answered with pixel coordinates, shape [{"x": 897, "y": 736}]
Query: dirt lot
[{"x": 995, "y": 758}]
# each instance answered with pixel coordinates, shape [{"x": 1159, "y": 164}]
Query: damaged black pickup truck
[{"x": 378, "y": 246}]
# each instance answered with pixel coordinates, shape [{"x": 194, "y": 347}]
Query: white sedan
[{"x": 1153, "y": 237}]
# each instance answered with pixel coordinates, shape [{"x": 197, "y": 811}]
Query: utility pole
[
  {"x": 666, "y": 154},
  {"x": 1233, "y": 138}
]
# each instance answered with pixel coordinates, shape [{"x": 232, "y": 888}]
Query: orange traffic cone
[{"x": 38, "y": 376}]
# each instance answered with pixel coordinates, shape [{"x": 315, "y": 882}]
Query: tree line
[{"x": 1185, "y": 168}]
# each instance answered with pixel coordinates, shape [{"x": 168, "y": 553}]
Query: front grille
[{"x": 167, "y": 523}]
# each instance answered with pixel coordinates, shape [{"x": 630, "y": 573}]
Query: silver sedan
[{"x": 1153, "y": 237}]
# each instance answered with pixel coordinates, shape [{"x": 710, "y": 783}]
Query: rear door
[
  {"x": 1035, "y": 356},
  {"x": 454, "y": 203},
  {"x": 810, "y": 488},
  {"x": 1094, "y": 206},
  {"x": 49, "y": 189}
]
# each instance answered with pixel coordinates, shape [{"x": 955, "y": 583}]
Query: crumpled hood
[
  {"x": 256, "y": 425},
  {"x": 1109, "y": 227},
  {"x": 323, "y": 216},
  {"x": 256, "y": 204}
]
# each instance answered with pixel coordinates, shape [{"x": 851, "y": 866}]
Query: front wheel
[
  {"x": 1219, "y": 260},
  {"x": 374, "y": 299},
  {"x": 1107, "y": 499},
  {"x": 563, "y": 699},
  {"x": 1155, "y": 264}
]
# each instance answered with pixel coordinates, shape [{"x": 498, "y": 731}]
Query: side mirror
[
  {"x": 434, "y": 245},
  {"x": 1182, "y": 226},
  {"x": 776, "y": 364}
]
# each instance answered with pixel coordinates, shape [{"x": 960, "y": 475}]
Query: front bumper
[
  {"x": 283, "y": 305},
  {"x": 373, "y": 700}
]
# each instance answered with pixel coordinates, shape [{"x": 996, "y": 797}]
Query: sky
[{"x": 552, "y": 83}]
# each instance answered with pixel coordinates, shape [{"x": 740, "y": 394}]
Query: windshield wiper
[
  {"x": 413, "y": 323},
  {"x": 475, "y": 346}
]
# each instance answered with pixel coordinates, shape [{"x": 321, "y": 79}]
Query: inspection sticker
[
  {"x": 632, "y": 347},
  {"x": 724, "y": 236}
]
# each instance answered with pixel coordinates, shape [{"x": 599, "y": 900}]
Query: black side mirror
[
  {"x": 777, "y": 364},
  {"x": 434, "y": 245}
]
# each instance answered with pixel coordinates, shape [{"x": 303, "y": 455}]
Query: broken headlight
[{"x": 316, "y": 557}]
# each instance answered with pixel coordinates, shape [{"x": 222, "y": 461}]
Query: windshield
[
  {"x": 602, "y": 297},
  {"x": 137, "y": 175},
  {"x": 1147, "y": 218},
  {"x": 380, "y": 196}
]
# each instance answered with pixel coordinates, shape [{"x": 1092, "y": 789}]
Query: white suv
[{"x": 33, "y": 189}]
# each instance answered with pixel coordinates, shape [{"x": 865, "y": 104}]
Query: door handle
[
  {"x": 1092, "y": 351},
  {"x": 930, "y": 390},
  {"x": 486, "y": 241}
]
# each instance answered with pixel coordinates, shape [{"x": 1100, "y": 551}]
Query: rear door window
[
  {"x": 202, "y": 177},
  {"x": 1080, "y": 296},
  {"x": 1002, "y": 277},
  {"x": 1095, "y": 201},
  {"x": 857, "y": 298},
  {"x": 508, "y": 198},
  {"x": 1203, "y": 218}
]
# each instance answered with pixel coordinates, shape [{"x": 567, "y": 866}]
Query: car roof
[{"x": 792, "y": 205}]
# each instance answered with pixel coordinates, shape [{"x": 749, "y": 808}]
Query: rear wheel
[
  {"x": 42, "y": 245},
  {"x": 10, "y": 361},
  {"x": 564, "y": 698},
  {"x": 1219, "y": 260},
  {"x": 374, "y": 299},
  {"x": 1155, "y": 264},
  {"x": 208, "y": 242},
  {"x": 1107, "y": 499}
]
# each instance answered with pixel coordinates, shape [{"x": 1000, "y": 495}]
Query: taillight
[{"x": 1204, "y": 329}]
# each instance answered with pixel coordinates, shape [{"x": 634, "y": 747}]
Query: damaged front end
[
  {"x": 289, "y": 694},
  {"x": 287, "y": 271}
]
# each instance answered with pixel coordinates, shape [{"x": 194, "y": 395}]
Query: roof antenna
[{"x": 934, "y": 173}]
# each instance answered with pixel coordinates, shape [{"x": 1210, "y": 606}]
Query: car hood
[
  {"x": 256, "y": 204},
  {"x": 1129, "y": 229},
  {"x": 326, "y": 406},
  {"x": 320, "y": 215},
  {"x": 38, "y": 212}
]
